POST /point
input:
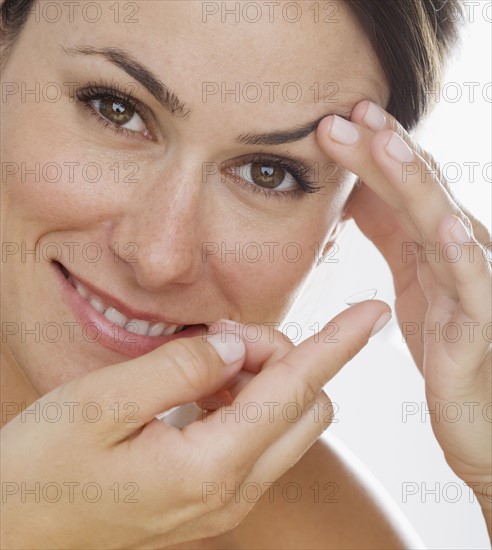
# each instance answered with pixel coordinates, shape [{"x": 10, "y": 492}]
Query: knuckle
[
  {"x": 305, "y": 386},
  {"x": 430, "y": 161},
  {"x": 228, "y": 472},
  {"x": 398, "y": 128},
  {"x": 234, "y": 514},
  {"x": 328, "y": 410},
  {"x": 228, "y": 518},
  {"x": 283, "y": 344},
  {"x": 233, "y": 476},
  {"x": 209, "y": 497},
  {"x": 190, "y": 365},
  {"x": 348, "y": 352},
  {"x": 217, "y": 495},
  {"x": 466, "y": 222},
  {"x": 312, "y": 387},
  {"x": 319, "y": 416},
  {"x": 275, "y": 336},
  {"x": 483, "y": 266},
  {"x": 213, "y": 502}
]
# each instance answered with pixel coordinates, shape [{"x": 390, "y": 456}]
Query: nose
[{"x": 160, "y": 235}]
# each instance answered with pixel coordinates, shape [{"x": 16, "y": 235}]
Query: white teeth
[
  {"x": 170, "y": 330},
  {"x": 137, "y": 326},
  {"x": 82, "y": 290},
  {"x": 156, "y": 329},
  {"x": 97, "y": 304},
  {"x": 115, "y": 316}
]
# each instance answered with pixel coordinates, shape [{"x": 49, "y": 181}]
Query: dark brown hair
[{"x": 411, "y": 38}]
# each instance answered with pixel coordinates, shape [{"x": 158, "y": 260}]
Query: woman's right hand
[{"x": 89, "y": 466}]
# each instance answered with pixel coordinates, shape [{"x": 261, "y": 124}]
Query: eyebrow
[
  {"x": 170, "y": 101},
  {"x": 284, "y": 136}
]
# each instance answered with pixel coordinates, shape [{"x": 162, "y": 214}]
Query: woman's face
[{"x": 163, "y": 204}]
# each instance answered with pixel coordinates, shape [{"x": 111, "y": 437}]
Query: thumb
[
  {"x": 297, "y": 378},
  {"x": 181, "y": 371}
]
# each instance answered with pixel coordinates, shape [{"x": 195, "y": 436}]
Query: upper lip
[{"x": 122, "y": 307}]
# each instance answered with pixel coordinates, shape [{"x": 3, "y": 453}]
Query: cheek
[
  {"x": 262, "y": 266},
  {"x": 52, "y": 184}
]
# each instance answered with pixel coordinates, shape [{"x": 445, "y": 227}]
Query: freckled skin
[
  {"x": 169, "y": 210},
  {"x": 166, "y": 208}
]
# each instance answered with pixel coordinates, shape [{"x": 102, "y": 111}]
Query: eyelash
[
  {"x": 299, "y": 171},
  {"x": 94, "y": 91}
]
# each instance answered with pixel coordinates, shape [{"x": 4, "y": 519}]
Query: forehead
[{"x": 241, "y": 55}]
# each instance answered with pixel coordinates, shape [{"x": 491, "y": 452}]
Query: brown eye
[
  {"x": 267, "y": 175},
  {"x": 120, "y": 113},
  {"x": 116, "y": 111}
]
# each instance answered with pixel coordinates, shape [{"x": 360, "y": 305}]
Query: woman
[{"x": 168, "y": 170}]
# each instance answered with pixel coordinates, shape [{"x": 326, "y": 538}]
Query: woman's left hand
[{"x": 443, "y": 280}]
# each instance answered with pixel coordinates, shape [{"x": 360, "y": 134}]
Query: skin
[
  {"x": 169, "y": 275},
  {"x": 169, "y": 222}
]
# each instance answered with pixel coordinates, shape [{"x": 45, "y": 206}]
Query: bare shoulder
[{"x": 325, "y": 501}]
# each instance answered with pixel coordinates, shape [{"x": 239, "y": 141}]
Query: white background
[{"x": 371, "y": 391}]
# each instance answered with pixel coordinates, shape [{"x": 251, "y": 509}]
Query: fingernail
[
  {"x": 229, "y": 346},
  {"x": 374, "y": 117},
  {"x": 343, "y": 131},
  {"x": 368, "y": 294},
  {"x": 459, "y": 232},
  {"x": 380, "y": 323},
  {"x": 398, "y": 149}
]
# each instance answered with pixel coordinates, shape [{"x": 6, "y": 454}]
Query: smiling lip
[{"x": 98, "y": 329}]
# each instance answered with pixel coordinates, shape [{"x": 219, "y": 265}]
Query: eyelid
[
  {"x": 93, "y": 91},
  {"x": 297, "y": 169}
]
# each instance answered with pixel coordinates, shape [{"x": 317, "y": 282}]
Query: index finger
[{"x": 294, "y": 381}]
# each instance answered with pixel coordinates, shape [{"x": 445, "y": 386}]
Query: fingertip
[
  {"x": 381, "y": 139},
  {"x": 380, "y": 323},
  {"x": 368, "y": 315},
  {"x": 378, "y": 306},
  {"x": 229, "y": 346},
  {"x": 324, "y": 128},
  {"x": 225, "y": 336},
  {"x": 369, "y": 114},
  {"x": 337, "y": 130},
  {"x": 359, "y": 111},
  {"x": 361, "y": 296}
]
